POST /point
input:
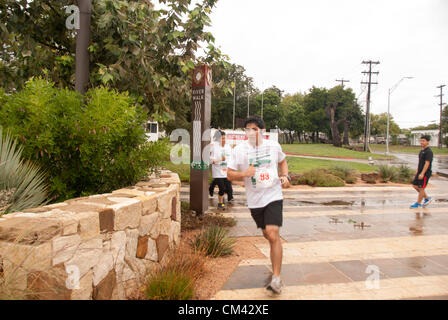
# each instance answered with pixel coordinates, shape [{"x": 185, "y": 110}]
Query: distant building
[
  {"x": 434, "y": 134},
  {"x": 234, "y": 137},
  {"x": 402, "y": 139}
]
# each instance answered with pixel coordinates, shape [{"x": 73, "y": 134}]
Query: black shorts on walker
[
  {"x": 272, "y": 214},
  {"x": 421, "y": 183}
]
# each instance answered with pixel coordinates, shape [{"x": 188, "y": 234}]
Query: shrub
[
  {"x": 320, "y": 178},
  {"x": 214, "y": 241},
  {"x": 349, "y": 175},
  {"x": 404, "y": 174},
  {"x": 387, "y": 173},
  {"x": 87, "y": 147},
  {"x": 295, "y": 178},
  {"x": 191, "y": 221},
  {"x": 176, "y": 280},
  {"x": 22, "y": 184},
  {"x": 154, "y": 155},
  {"x": 401, "y": 174}
]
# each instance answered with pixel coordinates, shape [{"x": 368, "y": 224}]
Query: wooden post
[
  {"x": 82, "y": 47},
  {"x": 200, "y": 138}
]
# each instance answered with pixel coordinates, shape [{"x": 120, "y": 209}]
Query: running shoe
[
  {"x": 221, "y": 206},
  {"x": 416, "y": 205},
  {"x": 427, "y": 201},
  {"x": 276, "y": 285}
]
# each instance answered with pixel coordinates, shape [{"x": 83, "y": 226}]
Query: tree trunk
[
  {"x": 346, "y": 141},
  {"x": 331, "y": 110}
]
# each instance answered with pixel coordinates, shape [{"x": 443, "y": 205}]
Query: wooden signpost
[{"x": 200, "y": 138}]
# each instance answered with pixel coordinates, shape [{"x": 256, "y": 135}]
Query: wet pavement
[
  {"x": 348, "y": 243},
  {"x": 439, "y": 164}
]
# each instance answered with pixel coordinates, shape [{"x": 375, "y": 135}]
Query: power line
[
  {"x": 369, "y": 84},
  {"x": 342, "y": 81}
]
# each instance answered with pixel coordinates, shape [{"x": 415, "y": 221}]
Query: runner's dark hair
[
  {"x": 219, "y": 134},
  {"x": 426, "y": 137},
  {"x": 256, "y": 120}
]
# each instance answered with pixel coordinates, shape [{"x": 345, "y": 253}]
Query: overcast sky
[{"x": 295, "y": 44}]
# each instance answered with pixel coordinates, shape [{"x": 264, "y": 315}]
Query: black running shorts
[
  {"x": 421, "y": 183},
  {"x": 221, "y": 182},
  {"x": 272, "y": 214}
]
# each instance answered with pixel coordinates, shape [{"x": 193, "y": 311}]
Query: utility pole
[
  {"x": 388, "y": 110},
  {"x": 262, "y": 93},
  {"x": 342, "y": 81},
  {"x": 369, "y": 83},
  {"x": 234, "y": 102},
  {"x": 248, "y": 101},
  {"x": 82, "y": 47},
  {"x": 441, "y": 107}
]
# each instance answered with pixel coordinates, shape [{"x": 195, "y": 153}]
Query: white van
[{"x": 152, "y": 131}]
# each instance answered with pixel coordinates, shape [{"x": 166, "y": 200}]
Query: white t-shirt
[
  {"x": 265, "y": 186},
  {"x": 219, "y": 169}
]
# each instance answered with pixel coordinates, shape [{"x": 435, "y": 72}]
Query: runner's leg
[
  {"x": 229, "y": 189},
  {"x": 222, "y": 188},
  {"x": 271, "y": 233}
]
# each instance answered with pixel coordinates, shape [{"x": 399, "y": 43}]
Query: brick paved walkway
[{"x": 328, "y": 255}]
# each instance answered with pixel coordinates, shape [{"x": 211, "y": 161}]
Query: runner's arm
[
  {"x": 234, "y": 175},
  {"x": 425, "y": 168},
  {"x": 283, "y": 166}
]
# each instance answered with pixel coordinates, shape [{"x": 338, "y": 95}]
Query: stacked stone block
[{"x": 96, "y": 247}]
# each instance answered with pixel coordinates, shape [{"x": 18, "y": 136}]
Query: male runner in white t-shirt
[{"x": 256, "y": 162}]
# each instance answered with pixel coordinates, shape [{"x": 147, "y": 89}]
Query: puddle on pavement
[
  {"x": 335, "y": 220},
  {"x": 338, "y": 203},
  {"x": 328, "y": 203}
]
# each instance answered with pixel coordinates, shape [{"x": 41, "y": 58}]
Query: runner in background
[
  {"x": 423, "y": 173},
  {"x": 219, "y": 155}
]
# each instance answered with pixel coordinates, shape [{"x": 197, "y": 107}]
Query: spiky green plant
[
  {"x": 177, "y": 277},
  {"x": 214, "y": 241},
  {"x": 387, "y": 173},
  {"x": 22, "y": 184}
]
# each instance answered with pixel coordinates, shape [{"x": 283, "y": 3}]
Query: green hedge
[
  {"x": 320, "y": 178},
  {"x": 87, "y": 145}
]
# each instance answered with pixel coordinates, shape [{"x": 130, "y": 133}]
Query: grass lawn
[
  {"x": 296, "y": 165},
  {"x": 183, "y": 170},
  {"x": 299, "y": 165},
  {"x": 328, "y": 150},
  {"x": 406, "y": 149}
]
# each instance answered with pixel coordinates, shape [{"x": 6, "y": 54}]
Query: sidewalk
[{"x": 398, "y": 253}]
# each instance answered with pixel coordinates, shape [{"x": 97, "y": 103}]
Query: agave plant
[
  {"x": 22, "y": 184},
  {"x": 214, "y": 241}
]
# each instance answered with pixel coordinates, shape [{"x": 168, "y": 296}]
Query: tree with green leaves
[
  {"x": 344, "y": 113},
  {"x": 445, "y": 125},
  {"x": 315, "y": 103},
  {"x": 149, "y": 52},
  {"x": 222, "y": 97},
  {"x": 432, "y": 126},
  {"x": 378, "y": 125},
  {"x": 272, "y": 98},
  {"x": 292, "y": 116}
]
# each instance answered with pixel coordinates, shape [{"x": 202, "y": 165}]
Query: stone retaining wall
[{"x": 96, "y": 247}]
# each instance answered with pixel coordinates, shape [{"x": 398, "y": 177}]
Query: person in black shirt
[{"x": 423, "y": 172}]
